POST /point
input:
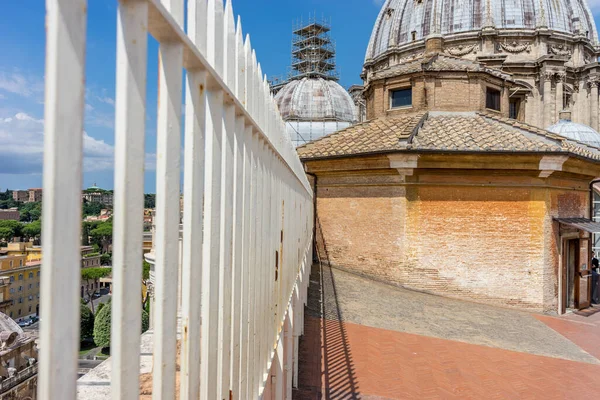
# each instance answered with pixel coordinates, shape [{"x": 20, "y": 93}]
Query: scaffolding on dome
[{"x": 313, "y": 50}]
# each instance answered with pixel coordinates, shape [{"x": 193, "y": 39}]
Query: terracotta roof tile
[
  {"x": 383, "y": 134},
  {"x": 461, "y": 132}
]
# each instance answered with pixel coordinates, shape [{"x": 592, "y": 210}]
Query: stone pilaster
[
  {"x": 559, "y": 99},
  {"x": 594, "y": 103},
  {"x": 548, "y": 104}
]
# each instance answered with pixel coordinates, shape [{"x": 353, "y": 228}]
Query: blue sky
[{"x": 22, "y": 44}]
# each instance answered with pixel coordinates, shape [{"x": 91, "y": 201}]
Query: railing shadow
[{"x": 336, "y": 373}]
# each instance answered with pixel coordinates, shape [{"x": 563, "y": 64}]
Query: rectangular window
[
  {"x": 513, "y": 111},
  {"x": 401, "y": 98},
  {"x": 492, "y": 99}
]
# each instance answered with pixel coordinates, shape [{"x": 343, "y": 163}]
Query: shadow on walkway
[{"x": 326, "y": 369}]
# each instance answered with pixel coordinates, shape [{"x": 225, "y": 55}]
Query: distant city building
[
  {"x": 94, "y": 194},
  {"x": 18, "y": 362},
  {"x": 21, "y": 196},
  {"x": 105, "y": 215},
  {"x": 21, "y": 269},
  {"x": 35, "y": 195},
  {"x": 10, "y": 214}
]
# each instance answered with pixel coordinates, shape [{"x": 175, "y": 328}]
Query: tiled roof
[
  {"x": 447, "y": 132},
  {"x": 437, "y": 62},
  {"x": 379, "y": 135}
]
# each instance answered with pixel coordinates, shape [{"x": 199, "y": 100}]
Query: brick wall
[
  {"x": 485, "y": 243},
  {"x": 443, "y": 92}
]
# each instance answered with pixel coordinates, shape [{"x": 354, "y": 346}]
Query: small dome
[
  {"x": 402, "y": 21},
  {"x": 575, "y": 131},
  {"x": 315, "y": 99}
]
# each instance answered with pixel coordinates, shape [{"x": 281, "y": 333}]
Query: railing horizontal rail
[{"x": 237, "y": 273}]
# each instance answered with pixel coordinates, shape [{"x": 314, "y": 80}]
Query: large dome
[
  {"x": 401, "y": 22},
  {"x": 575, "y": 131},
  {"x": 315, "y": 99}
]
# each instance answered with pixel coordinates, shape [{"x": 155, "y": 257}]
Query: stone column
[
  {"x": 547, "y": 99},
  {"x": 559, "y": 100},
  {"x": 594, "y": 103}
]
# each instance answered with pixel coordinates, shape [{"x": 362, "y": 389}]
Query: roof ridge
[
  {"x": 415, "y": 131},
  {"x": 522, "y": 125}
]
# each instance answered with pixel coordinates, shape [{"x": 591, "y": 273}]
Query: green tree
[
  {"x": 145, "y": 282},
  {"x": 33, "y": 230},
  {"x": 30, "y": 211},
  {"x": 106, "y": 259},
  {"x": 102, "y": 235},
  {"x": 91, "y": 276},
  {"x": 102, "y": 325},
  {"x": 149, "y": 201},
  {"x": 87, "y": 323},
  {"x": 91, "y": 208},
  {"x": 6, "y": 234},
  {"x": 11, "y": 229}
]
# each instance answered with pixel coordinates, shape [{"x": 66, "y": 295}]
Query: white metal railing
[{"x": 247, "y": 225}]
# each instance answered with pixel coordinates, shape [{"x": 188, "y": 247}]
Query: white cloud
[
  {"x": 594, "y": 5},
  {"x": 22, "y": 138},
  {"x": 20, "y": 84},
  {"x": 2, "y": 97},
  {"x": 106, "y": 100}
]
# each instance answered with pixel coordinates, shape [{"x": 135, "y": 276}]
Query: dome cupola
[
  {"x": 572, "y": 130},
  {"x": 402, "y": 22},
  {"x": 311, "y": 101}
]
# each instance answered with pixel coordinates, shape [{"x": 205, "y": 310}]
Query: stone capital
[
  {"x": 551, "y": 164},
  {"x": 404, "y": 163}
]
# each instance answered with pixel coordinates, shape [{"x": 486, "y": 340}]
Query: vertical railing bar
[
  {"x": 226, "y": 250},
  {"x": 193, "y": 218},
  {"x": 261, "y": 187},
  {"x": 227, "y": 201},
  {"x": 211, "y": 249},
  {"x": 253, "y": 282},
  {"x": 63, "y": 158},
  {"x": 130, "y": 116},
  {"x": 246, "y": 264},
  {"x": 211, "y": 257},
  {"x": 238, "y": 344},
  {"x": 264, "y": 342},
  {"x": 168, "y": 170},
  {"x": 238, "y": 256},
  {"x": 192, "y": 233}
]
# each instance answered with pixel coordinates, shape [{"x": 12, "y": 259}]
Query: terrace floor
[{"x": 368, "y": 340}]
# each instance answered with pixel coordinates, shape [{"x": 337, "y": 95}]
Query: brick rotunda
[{"x": 453, "y": 186}]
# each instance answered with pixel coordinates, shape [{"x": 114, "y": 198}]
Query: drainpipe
[{"x": 315, "y": 258}]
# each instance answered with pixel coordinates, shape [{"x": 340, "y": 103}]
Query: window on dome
[
  {"x": 492, "y": 99},
  {"x": 413, "y": 35},
  {"x": 514, "y": 106},
  {"x": 401, "y": 98}
]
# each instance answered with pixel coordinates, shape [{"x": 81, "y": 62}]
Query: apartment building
[
  {"x": 23, "y": 279},
  {"x": 35, "y": 195},
  {"x": 20, "y": 195},
  {"x": 10, "y": 214}
]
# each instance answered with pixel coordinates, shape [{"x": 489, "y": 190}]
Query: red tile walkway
[
  {"x": 341, "y": 360},
  {"x": 581, "y": 330}
]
